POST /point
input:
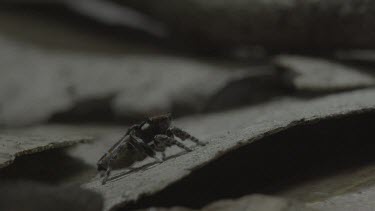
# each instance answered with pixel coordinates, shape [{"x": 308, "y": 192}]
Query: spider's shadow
[{"x": 144, "y": 167}]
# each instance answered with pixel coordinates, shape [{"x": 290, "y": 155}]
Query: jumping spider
[{"x": 151, "y": 136}]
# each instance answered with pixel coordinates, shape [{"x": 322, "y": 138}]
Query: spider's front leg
[
  {"x": 168, "y": 141},
  {"x": 106, "y": 159},
  {"x": 104, "y": 163},
  {"x": 183, "y": 135}
]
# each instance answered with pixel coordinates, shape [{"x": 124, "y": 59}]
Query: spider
[{"x": 151, "y": 136}]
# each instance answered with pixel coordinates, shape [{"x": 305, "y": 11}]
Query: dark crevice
[
  {"x": 33, "y": 196},
  {"x": 52, "y": 167},
  {"x": 276, "y": 163},
  {"x": 253, "y": 90},
  {"x": 88, "y": 110}
]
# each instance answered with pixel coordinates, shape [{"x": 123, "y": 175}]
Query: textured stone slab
[
  {"x": 248, "y": 203},
  {"x": 319, "y": 75},
  {"x": 16, "y": 146},
  {"x": 225, "y": 132},
  {"x": 361, "y": 200}
]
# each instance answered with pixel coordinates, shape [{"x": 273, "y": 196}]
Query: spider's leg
[
  {"x": 123, "y": 138},
  {"x": 107, "y": 173},
  {"x": 143, "y": 147},
  {"x": 171, "y": 141},
  {"x": 160, "y": 146},
  {"x": 120, "y": 146},
  {"x": 183, "y": 135},
  {"x": 108, "y": 157}
]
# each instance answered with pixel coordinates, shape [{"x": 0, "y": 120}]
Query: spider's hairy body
[{"x": 147, "y": 138}]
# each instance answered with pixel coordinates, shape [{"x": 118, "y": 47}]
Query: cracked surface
[{"x": 225, "y": 132}]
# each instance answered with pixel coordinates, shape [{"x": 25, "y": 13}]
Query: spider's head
[{"x": 163, "y": 122}]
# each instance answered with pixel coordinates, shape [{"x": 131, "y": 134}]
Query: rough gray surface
[
  {"x": 361, "y": 200},
  {"x": 257, "y": 202},
  {"x": 16, "y": 146},
  {"x": 104, "y": 136},
  {"x": 319, "y": 75},
  {"x": 134, "y": 86},
  {"x": 254, "y": 202},
  {"x": 273, "y": 23},
  {"x": 225, "y": 132}
]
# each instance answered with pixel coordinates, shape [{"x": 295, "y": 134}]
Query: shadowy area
[
  {"x": 88, "y": 111},
  {"x": 263, "y": 86},
  {"x": 276, "y": 163},
  {"x": 52, "y": 167},
  {"x": 29, "y": 196},
  {"x": 300, "y": 25},
  {"x": 250, "y": 91},
  {"x": 60, "y": 27}
]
